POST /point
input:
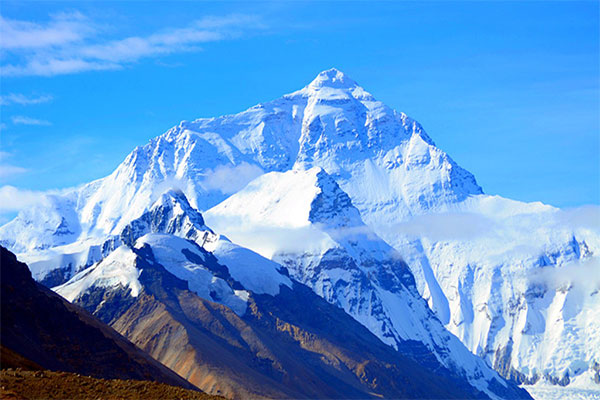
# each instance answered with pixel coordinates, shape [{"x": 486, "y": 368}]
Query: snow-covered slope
[
  {"x": 408, "y": 191},
  {"x": 522, "y": 282},
  {"x": 286, "y": 343},
  {"x": 170, "y": 214},
  {"x": 186, "y": 260},
  {"x": 180, "y": 241},
  {"x": 310, "y": 225},
  {"x": 332, "y": 123},
  {"x": 116, "y": 270},
  {"x": 348, "y": 260}
]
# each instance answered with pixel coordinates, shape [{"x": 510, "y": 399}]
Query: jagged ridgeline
[{"x": 329, "y": 188}]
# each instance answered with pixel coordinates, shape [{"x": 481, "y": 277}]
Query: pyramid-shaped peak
[
  {"x": 333, "y": 78},
  {"x": 172, "y": 196}
]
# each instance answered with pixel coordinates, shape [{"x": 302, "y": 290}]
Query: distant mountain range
[{"x": 346, "y": 247}]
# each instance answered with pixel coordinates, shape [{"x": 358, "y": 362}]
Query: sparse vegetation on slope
[{"x": 48, "y": 385}]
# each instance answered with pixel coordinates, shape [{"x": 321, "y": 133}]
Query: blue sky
[{"x": 509, "y": 89}]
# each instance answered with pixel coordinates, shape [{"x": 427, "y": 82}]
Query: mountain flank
[{"x": 40, "y": 329}]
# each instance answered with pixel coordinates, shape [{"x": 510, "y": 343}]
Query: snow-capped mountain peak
[
  {"x": 332, "y": 78},
  {"x": 333, "y": 85},
  {"x": 332, "y": 123},
  {"x": 372, "y": 168}
]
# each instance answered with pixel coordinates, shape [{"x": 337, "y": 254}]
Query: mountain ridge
[
  {"x": 259, "y": 352},
  {"x": 44, "y": 328}
]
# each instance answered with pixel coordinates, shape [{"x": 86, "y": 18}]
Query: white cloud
[
  {"x": 53, "y": 66},
  {"x": 15, "y": 98},
  {"x": 585, "y": 216},
  {"x": 467, "y": 226},
  {"x": 229, "y": 179},
  {"x": 583, "y": 273},
  {"x": 445, "y": 226},
  {"x": 13, "y": 199},
  {"x": 22, "y": 120},
  {"x": 69, "y": 43},
  {"x": 8, "y": 171},
  {"x": 62, "y": 29},
  {"x": 269, "y": 240}
]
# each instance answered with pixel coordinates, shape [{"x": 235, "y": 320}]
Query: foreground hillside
[
  {"x": 41, "y": 329},
  {"x": 49, "y": 385}
]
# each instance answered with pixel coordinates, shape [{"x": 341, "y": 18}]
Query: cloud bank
[
  {"x": 14, "y": 200},
  {"x": 580, "y": 274}
]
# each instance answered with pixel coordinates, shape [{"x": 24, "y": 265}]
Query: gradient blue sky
[{"x": 509, "y": 89}]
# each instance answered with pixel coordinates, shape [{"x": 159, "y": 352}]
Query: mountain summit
[
  {"x": 332, "y": 78},
  {"x": 332, "y": 123}
]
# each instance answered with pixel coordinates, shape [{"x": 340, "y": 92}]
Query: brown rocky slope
[
  {"x": 293, "y": 345},
  {"x": 49, "y": 385},
  {"x": 42, "y": 328}
]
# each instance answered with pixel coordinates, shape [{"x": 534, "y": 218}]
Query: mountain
[
  {"x": 487, "y": 266},
  {"x": 304, "y": 221},
  {"x": 233, "y": 323},
  {"x": 332, "y": 123},
  {"x": 41, "y": 329}
]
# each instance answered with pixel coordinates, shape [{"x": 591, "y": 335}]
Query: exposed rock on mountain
[
  {"x": 43, "y": 328},
  {"x": 290, "y": 344}
]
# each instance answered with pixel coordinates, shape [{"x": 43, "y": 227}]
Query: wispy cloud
[
  {"x": 14, "y": 200},
  {"x": 22, "y": 120},
  {"x": 52, "y": 67},
  {"x": 20, "y": 99},
  {"x": 230, "y": 179},
  {"x": 62, "y": 29},
  {"x": 266, "y": 239},
  {"x": 8, "y": 171},
  {"x": 583, "y": 273},
  {"x": 70, "y": 43}
]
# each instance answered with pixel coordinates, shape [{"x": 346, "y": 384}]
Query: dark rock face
[
  {"x": 57, "y": 276},
  {"x": 502, "y": 365},
  {"x": 412, "y": 372},
  {"x": 106, "y": 303},
  {"x": 596, "y": 368},
  {"x": 42, "y": 327},
  {"x": 164, "y": 219}
]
